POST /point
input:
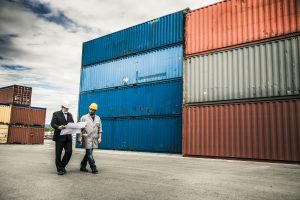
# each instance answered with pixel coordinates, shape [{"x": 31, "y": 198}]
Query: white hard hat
[{"x": 66, "y": 104}]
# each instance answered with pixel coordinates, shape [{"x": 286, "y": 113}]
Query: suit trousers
[{"x": 59, "y": 146}]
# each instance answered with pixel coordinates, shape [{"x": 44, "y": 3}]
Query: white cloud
[{"x": 54, "y": 52}]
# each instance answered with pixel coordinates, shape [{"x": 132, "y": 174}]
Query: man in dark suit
[{"x": 58, "y": 122}]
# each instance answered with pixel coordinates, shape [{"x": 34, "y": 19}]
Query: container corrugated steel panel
[
  {"x": 263, "y": 70},
  {"x": 36, "y": 135},
  {"x": 151, "y": 66},
  {"x": 20, "y": 115},
  {"x": 234, "y": 22},
  {"x": 156, "y": 134},
  {"x": 16, "y": 94},
  {"x": 257, "y": 130},
  {"x": 5, "y": 111},
  {"x": 156, "y": 33},
  {"x": 37, "y": 116},
  {"x": 3, "y": 134},
  {"x": 163, "y": 98},
  {"x": 7, "y": 94},
  {"x": 18, "y": 135}
]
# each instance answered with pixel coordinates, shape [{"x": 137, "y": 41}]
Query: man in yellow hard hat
[{"x": 90, "y": 137}]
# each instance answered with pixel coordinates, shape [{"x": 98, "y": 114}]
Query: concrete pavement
[{"x": 28, "y": 172}]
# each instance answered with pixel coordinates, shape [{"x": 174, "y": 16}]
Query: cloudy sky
[{"x": 41, "y": 40}]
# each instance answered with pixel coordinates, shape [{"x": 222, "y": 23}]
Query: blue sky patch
[
  {"x": 43, "y": 10},
  {"x": 6, "y": 38},
  {"x": 15, "y": 67}
]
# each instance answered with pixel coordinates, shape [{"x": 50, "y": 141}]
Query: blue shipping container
[
  {"x": 163, "y": 98},
  {"x": 154, "y": 65},
  {"x": 156, "y": 33},
  {"x": 157, "y": 134}
]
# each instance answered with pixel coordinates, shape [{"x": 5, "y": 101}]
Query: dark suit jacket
[{"x": 57, "y": 120}]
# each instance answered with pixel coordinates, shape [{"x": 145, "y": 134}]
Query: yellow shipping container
[
  {"x": 3, "y": 134},
  {"x": 5, "y": 114}
]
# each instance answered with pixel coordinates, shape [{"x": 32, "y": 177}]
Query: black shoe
[
  {"x": 95, "y": 171},
  {"x": 60, "y": 172},
  {"x": 84, "y": 169},
  {"x": 64, "y": 170}
]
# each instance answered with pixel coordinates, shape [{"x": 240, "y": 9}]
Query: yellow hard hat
[{"x": 94, "y": 106}]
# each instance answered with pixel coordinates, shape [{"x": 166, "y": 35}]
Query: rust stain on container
[
  {"x": 16, "y": 94},
  {"x": 36, "y": 135},
  {"x": 18, "y": 135},
  {"x": 236, "y": 22},
  {"x": 257, "y": 130}
]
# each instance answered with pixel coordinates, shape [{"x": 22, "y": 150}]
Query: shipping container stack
[
  {"x": 19, "y": 122},
  {"x": 242, "y": 80},
  {"x": 135, "y": 77}
]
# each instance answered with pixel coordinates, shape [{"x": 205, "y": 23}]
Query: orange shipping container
[
  {"x": 235, "y": 22},
  {"x": 256, "y": 130}
]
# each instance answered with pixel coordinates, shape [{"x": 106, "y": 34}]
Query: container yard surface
[{"x": 28, "y": 172}]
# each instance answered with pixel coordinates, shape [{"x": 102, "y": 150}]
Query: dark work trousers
[
  {"x": 88, "y": 157},
  {"x": 59, "y": 146}
]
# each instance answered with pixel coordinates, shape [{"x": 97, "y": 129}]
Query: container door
[{"x": 36, "y": 136}]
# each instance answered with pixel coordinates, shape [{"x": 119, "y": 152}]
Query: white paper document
[
  {"x": 73, "y": 128},
  {"x": 78, "y": 125}
]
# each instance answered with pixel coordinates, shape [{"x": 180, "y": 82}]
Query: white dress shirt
[{"x": 66, "y": 116}]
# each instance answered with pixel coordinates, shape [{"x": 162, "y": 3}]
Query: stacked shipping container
[
  {"x": 241, "y": 57},
  {"x": 135, "y": 76},
  {"x": 20, "y": 123},
  {"x": 3, "y": 133},
  {"x": 258, "y": 130},
  {"x": 16, "y": 94}
]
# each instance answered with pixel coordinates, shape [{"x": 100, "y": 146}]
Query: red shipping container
[
  {"x": 257, "y": 130},
  {"x": 19, "y": 115},
  {"x": 18, "y": 135},
  {"x": 16, "y": 94},
  {"x": 235, "y": 23},
  {"x": 32, "y": 116},
  {"x": 25, "y": 135},
  {"x": 37, "y": 116},
  {"x": 36, "y": 135}
]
